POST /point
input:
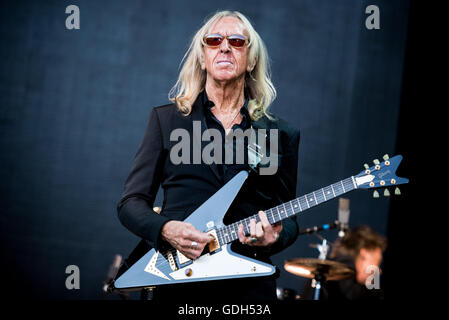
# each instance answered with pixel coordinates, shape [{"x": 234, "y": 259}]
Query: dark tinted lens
[
  {"x": 213, "y": 41},
  {"x": 236, "y": 41}
]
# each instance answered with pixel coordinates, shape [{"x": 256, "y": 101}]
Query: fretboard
[{"x": 288, "y": 209}]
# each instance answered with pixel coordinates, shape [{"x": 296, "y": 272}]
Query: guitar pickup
[
  {"x": 171, "y": 261},
  {"x": 214, "y": 245},
  {"x": 211, "y": 247}
]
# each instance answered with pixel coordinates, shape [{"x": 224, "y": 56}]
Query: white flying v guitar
[{"x": 171, "y": 267}]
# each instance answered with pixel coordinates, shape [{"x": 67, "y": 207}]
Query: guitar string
[
  {"x": 174, "y": 251},
  {"x": 223, "y": 241},
  {"x": 349, "y": 187}
]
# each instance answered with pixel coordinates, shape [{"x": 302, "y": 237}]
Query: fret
[
  {"x": 236, "y": 226},
  {"x": 314, "y": 196},
  {"x": 231, "y": 233},
  {"x": 220, "y": 238},
  {"x": 338, "y": 189},
  {"x": 234, "y": 233},
  {"x": 353, "y": 181},
  {"x": 279, "y": 214},
  {"x": 226, "y": 235},
  {"x": 293, "y": 210},
  {"x": 308, "y": 205},
  {"x": 305, "y": 200},
  {"x": 319, "y": 197},
  {"x": 272, "y": 215},
  {"x": 245, "y": 227},
  {"x": 223, "y": 236},
  {"x": 333, "y": 191},
  {"x": 328, "y": 192},
  {"x": 249, "y": 223},
  {"x": 299, "y": 204},
  {"x": 267, "y": 213},
  {"x": 343, "y": 186},
  {"x": 349, "y": 185},
  {"x": 284, "y": 211},
  {"x": 324, "y": 195},
  {"x": 309, "y": 199}
]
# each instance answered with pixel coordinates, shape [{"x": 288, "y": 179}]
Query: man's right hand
[{"x": 185, "y": 238}]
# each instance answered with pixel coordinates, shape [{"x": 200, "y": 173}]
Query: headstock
[{"x": 381, "y": 175}]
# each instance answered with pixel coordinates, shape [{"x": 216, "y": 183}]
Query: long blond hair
[{"x": 192, "y": 79}]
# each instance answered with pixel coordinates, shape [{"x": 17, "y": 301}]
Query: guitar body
[{"x": 171, "y": 267}]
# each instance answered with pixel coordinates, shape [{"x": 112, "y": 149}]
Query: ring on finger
[{"x": 194, "y": 244}]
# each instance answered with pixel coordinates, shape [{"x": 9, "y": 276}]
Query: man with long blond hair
[{"x": 224, "y": 85}]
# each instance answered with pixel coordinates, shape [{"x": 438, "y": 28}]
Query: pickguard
[
  {"x": 151, "y": 267},
  {"x": 220, "y": 265}
]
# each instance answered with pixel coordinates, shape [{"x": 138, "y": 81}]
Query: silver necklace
[{"x": 227, "y": 127}]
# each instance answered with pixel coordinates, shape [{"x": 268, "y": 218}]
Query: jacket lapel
[
  {"x": 267, "y": 124},
  {"x": 263, "y": 123},
  {"x": 198, "y": 115}
]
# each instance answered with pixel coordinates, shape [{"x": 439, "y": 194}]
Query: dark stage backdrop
[{"x": 74, "y": 105}]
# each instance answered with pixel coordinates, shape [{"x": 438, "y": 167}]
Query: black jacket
[{"x": 187, "y": 186}]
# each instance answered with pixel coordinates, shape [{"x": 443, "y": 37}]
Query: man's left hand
[{"x": 262, "y": 233}]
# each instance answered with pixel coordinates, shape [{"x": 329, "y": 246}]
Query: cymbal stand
[{"x": 323, "y": 248}]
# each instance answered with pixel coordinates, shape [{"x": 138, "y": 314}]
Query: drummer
[{"x": 360, "y": 249}]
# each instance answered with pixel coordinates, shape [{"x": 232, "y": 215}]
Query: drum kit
[{"x": 319, "y": 269}]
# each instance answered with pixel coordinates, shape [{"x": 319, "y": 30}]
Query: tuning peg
[
  {"x": 386, "y": 193},
  {"x": 386, "y": 157},
  {"x": 397, "y": 191},
  {"x": 366, "y": 166},
  {"x": 375, "y": 194},
  {"x": 376, "y": 161}
]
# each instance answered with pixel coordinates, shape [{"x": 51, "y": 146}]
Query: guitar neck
[{"x": 288, "y": 209}]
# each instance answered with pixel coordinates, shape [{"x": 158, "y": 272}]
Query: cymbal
[{"x": 309, "y": 267}]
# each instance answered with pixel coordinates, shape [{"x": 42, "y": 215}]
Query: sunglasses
[{"x": 215, "y": 39}]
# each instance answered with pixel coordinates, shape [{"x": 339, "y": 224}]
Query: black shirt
[{"x": 228, "y": 170}]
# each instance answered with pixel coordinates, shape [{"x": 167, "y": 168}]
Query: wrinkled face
[
  {"x": 364, "y": 260},
  {"x": 225, "y": 62}
]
